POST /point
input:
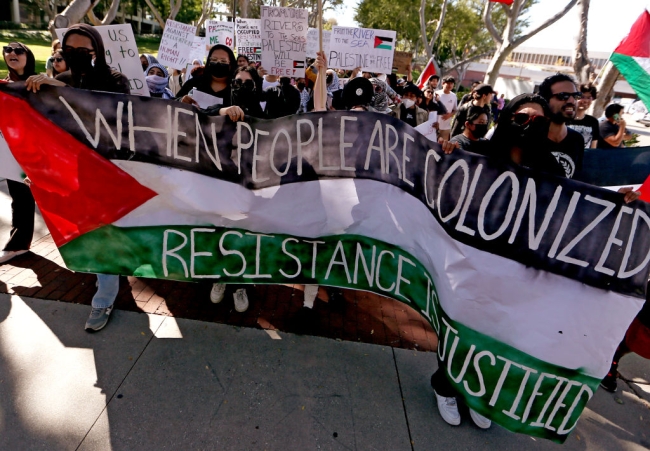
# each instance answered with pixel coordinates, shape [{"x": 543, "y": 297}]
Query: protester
[
  {"x": 613, "y": 131},
  {"x": 58, "y": 63},
  {"x": 467, "y": 97},
  {"x": 242, "y": 61},
  {"x": 333, "y": 90},
  {"x": 157, "y": 79},
  {"x": 380, "y": 100},
  {"x": 83, "y": 50},
  {"x": 408, "y": 111},
  {"x": 568, "y": 146},
  {"x": 473, "y": 137},
  {"x": 501, "y": 102},
  {"x": 147, "y": 59},
  {"x": 215, "y": 80},
  {"x": 196, "y": 70},
  {"x": 449, "y": 100},
  {"x": 49, "y": 64},
  {"x": 175, "y": 82},
  {"x": 21, "y": 64},
  {"x": 481, "y": 97},
  {"x": 305, "y": 94},
  {"x": 583, "y": 123}
]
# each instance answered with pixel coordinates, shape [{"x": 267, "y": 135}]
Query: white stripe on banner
[{"x": 545, "y": 315}]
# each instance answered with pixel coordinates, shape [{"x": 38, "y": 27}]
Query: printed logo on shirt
[
  {"x": 567, "y": 163},
  {"x": 585, "y": 131}
]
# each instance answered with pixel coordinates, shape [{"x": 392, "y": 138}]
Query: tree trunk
[
  {"x": 156, "y": 14},
  {"x": 109, "y": 17},
  {"x": 498, "y": 59},
  {"x": 244, "y": 6},
  {"x": 73, "y": 14},
  {"x": 581, "y": 64},
  {"x": 605, "y": 89},
  {"x": 423, "y": 29}
]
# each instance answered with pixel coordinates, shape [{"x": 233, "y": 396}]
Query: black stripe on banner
[{"x": 558, "y": 225}]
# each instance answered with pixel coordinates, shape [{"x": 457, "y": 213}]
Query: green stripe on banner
[
  {"x": 634, "y": 74},
  {"x": 520, "y": 392}
]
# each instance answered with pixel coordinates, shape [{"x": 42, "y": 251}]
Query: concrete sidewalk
[{"x": 151, "y": 382}]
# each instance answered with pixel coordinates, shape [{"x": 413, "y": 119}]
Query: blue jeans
[{"x": 107, "y": 287}]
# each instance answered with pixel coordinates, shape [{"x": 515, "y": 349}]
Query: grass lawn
[{"x": 39, "y": 43}]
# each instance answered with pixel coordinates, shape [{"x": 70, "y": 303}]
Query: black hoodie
[
  {"x": 102, "y": 77},
  {"x": 30, "y": 66}
]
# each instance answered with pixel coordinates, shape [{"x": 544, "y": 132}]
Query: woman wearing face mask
[
  {"x": 215, "y": 79},
  {"x": 157, "y": 79},
  {"x": 473, "y": 137},
  {"x": 83, "y": 51},
  {"x": 21, "y": 64}
]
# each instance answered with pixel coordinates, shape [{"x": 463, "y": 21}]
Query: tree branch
[
  {"x": 466, "y": 61},
  {"x": 423, "y": 29},
  {"x": 441, "y": 20},
  {"x": 156, "y": 13},
  {"x": 520, "y": 40},
  {"x": 487, "y": 20}
]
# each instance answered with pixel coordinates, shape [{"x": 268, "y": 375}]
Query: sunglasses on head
[
  {"x": 238, "y": 82},
  {"x": 17, "y": 50},
  {"x": 524, "y": 119},
  {"x": 564, "y": 96}
]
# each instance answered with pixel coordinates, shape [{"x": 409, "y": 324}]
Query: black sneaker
[{"x": 609, "y": 383}]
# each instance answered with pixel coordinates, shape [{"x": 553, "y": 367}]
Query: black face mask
[
  {"x": 78, "y": 62},
  {"x": 531, "y": 132},
  {"x": 219, "y": 70},
  {"x": 329, "y": 79},
  {"x": 243, "y": 93},
  {"x": 301, "y": 86},
  {"x": 480, "y": 130}
]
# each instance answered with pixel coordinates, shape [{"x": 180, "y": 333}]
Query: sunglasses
[
  {"x": 237, "y": 83},
  {"x": 58, "y": 60},
  {"x": 84, "y": 50},
  {"x": 17, "y": 50},
  {"x": 524, "y": 119},
  {"x": 564, "y": 96}
]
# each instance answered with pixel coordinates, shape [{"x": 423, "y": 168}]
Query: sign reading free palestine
[{"x": 528, "y": 280}]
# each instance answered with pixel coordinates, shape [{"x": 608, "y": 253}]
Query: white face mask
[{"x": 408, "y": 103}]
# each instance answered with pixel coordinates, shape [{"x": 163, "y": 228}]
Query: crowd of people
[{"x": 546, "y": 131}]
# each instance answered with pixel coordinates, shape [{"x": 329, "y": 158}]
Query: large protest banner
[
  {"x": 371, "y": 50},
  {"x": 176, "y": 44},
  {"x": 313, "y": 43},
  {"x": 217, "y": 32},
  {"x": 530, "y": 281},
  {"x": 121, "y": 54},
  {"x": 249, "y": 38},
  {"x": 284, "y": 40}
]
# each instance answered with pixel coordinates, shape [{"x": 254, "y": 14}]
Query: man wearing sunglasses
[{"x": 567, "y": 145}]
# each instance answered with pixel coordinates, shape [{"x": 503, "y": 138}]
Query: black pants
[
  {"x": 22, "y": 216},
  {"x": 441, "y": 384}
]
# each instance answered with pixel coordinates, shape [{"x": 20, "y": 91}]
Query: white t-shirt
[{"x": 450, "y": 101}]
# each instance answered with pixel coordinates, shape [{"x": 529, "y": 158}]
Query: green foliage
[
  {"x": 633, "y": 141},
  {"x": 190, "y": 10},
  {"x": 402, "y": 16}
]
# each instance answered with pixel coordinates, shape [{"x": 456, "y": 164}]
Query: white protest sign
[
  {"x": 217, "y": 32},
  {"x": 371, "y": 50},
  {"x": 121, "y": 54},
  {"x": 176, "y": 44},
  {"x": 312, "y": 42},
  {"x": 284, "y": 41},
  {"x": 197, "y": 51},
  {"x": 249, "y": 38}
]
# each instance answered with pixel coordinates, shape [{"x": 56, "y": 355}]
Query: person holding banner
[
  {"x": 215, "y": 80},
  {"x": 21, "y": 64},
  {"x": 157, "y": 79}
]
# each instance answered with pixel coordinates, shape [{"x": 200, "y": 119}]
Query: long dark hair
[{"x": 30, "y": 66}]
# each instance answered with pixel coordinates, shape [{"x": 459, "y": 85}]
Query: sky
[{"x": 609, "y": 22}]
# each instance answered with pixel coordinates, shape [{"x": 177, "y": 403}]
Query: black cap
[
  {"x": 358, "y": 92},
  {"x": 412, "y": 88},
  {"x": 483, "y": 89}
]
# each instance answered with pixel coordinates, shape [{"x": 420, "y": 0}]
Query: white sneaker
[
  {"x": 311, "y": 291},
  {"x": 479, "y": 419},
  {"x": 241, "y": 300},
  {"x": 217, "y": 292},
  {"x": 5, "y": 256},
  {"x": 448, "y": 409}
]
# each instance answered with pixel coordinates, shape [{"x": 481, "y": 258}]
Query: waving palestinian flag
[
  {"x": 530, "y": 281},
  {"x": 632, "y": 57}
]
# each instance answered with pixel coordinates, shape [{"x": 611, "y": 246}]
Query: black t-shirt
[
  {"x": 588, "y": 127},
  {"x": 481, "y": 146},
  {"x": 608, "y": 129},
  {"x": 569, "y": 152},
  {"x": 408, "y": 115}
]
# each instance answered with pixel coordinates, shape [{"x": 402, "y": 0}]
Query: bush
[{"x": 8, "y": 25}]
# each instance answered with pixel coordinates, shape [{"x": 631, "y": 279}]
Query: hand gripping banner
[{"x": 530, "y": 281}]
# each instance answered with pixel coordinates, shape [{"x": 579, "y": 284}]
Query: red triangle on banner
[
  {"x": 637, "y": 42},
  {"x": 77, "y": 190}
]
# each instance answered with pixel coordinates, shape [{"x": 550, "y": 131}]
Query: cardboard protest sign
[
  {"x": 402, "y": 62},
  {"x": 371, "y": 50},
  {"x": 547, "y": 273},
  {"x": 217, "y": 32},
  {"x": 312, "y": 42},
  {"x": 121, "y": 54},
  {"x": 284, "y": 40},
  {"x": 249, "y": 38},
  {"x": 198, "y": 51},
  {"x": 176, "y": 44}
]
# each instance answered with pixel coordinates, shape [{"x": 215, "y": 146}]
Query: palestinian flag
[
  {"x": 530, "y": 281},
  {"x": 632, "y": 57},
  {"x": 383, "y": 42},
  {"x": 298, "y": 64},
  {"x": 429, "y": 70}
]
